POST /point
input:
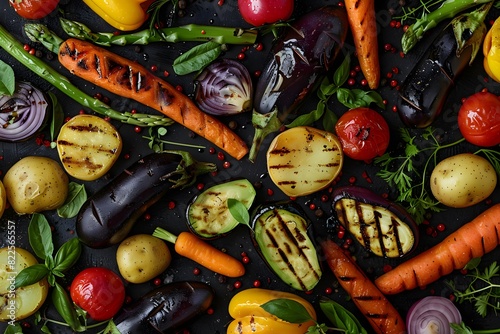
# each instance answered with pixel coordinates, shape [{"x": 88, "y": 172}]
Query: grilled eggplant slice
[
  {"x": 208, "y": 214},
  {"x": 282, "y": 236},
  {"x": 379, "y": 225}
]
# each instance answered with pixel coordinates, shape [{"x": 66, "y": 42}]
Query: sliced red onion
[
  {"x": 432, "y": 314},
  {"x": 23, "y": 113},
  {"x": 224, "y": 88}
]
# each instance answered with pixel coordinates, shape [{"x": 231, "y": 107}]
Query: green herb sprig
[
  {"x": 351, "y": 98},
  {"x": 157, "y": 144},
  {"x": 294, "y": 312},
  {"x": 483, "y": 290}
]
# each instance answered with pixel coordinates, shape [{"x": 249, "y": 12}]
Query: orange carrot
[
  {"x": 188, "y": 245},
  {"x": 126, "y": 78},
  {"x": 472, "y": 240},
  {"x": 361, "y": 16},
  {"x": 379, "y": 312}
]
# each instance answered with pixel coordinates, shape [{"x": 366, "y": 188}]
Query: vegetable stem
[
  {"x": 447, "y": 10},
  {"x": 186, "y": 33},
  {"x": 164, "y": 235},
  {"x": 43, "y": 70}
]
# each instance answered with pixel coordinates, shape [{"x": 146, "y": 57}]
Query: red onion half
[
  {"x": 432, "y": 314},
  {"x": 224, "y": 88},
  {"x": 23, "y": 113}
]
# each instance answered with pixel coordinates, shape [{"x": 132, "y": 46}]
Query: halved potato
[
  {"x": 88, "y": 146},
  {"x": 304, "y": 160},
  {"x": 17, "y": 304}
]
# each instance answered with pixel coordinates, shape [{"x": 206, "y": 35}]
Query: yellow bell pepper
[
  {"x": 124, "y": 15},
  {"x": 491, "y": 51},
  {"x": 249, "y": 317}
]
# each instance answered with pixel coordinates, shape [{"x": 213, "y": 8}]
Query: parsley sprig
[{"x": 483, "y": 290}]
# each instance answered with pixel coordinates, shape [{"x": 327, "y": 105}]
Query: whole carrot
[
  {"x": 192, "y": 247},
  {"x": 472, "y": 240},
  {"x": 126, "y": 78},
  {"x": 361, "y": 16},
  {"x": 379, "y": 312}
]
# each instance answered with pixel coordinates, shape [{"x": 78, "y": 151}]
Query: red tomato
[
  {"x": 99, "y": 291},
  {"x": 364, "y": 133},
  {"x": 34, "y": 9},
  {"x": 479, "y": 119},
  {"x": 260, "y": 12}
]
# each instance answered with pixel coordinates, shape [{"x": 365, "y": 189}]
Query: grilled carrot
[
  {"x": 131, "y": 80},
  {"x": 363, "y": 24},
  {"x": 188, "y": 245},
  {"x": 379, "y": 312},
  {"x": 472, "y": 240}
]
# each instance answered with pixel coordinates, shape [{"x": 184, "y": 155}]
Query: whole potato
[
  {"x": 463, "y": 180},
  {"x": 3, "y": 199},
  {"x": 142, "y": 257},
  {"x": 35, "y": 184}
]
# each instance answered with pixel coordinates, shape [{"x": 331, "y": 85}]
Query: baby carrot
[
  {"x": 361, "y": 16},
  {"x": 192, "y": 247},
  {"x": 472, "y": 240}
]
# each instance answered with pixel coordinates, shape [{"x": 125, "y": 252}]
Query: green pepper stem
[
  {"x": 44, "y": 71},
  {"x": 186, "y": 33},
  {"x": 447, "y": 10}
]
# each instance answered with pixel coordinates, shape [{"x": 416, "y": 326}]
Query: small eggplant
[
  {"x": 165, "y": 309},
  {"x": 300, "y": 59},
  {"x": 283, "y": 237},
  {"x": 425, "y": 90},
  {"x": 379, "y": 225},
  {"x": 107, "y": 217},
  {"x": 208, "y": 214}
]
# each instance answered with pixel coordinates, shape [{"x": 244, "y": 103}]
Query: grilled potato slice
[
  {"x": 88, "y": 146},
  {"x": 304, "y": 160}
]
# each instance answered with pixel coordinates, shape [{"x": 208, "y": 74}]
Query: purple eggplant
[
  {"x": 299, "y": 60},
  {"x": 107, "y": 217},
  {"x": 379, "y": 225},
  {"x": 425, "y": 90},
  {"x": 165, "y": 309}
]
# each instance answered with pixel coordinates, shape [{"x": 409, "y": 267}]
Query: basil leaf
[
  {"x": 14, "y": 328},
  {"x": 31, "y": 275},
  {"x": 7, "y": 79},
  {"x": 57, "y": 117},
  {"x": 40, "y": 236},
  {"x": 341, "y": 317},
  {"x": 239, "y": 211},
  {"x": 288, "y": 310},
  {"x": 67, "y": 255},
  {"x": 308, "y": 119},
  {"x": 342, "y": 72},
  {"x": 197, "y": 58},
  {"x": 329, "y": 120},
  {"x": 65, "y": 307},
  {"x": 76, "y": 197}
]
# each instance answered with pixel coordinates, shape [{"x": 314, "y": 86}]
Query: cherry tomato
[
  {"x": 364, "y": 133},
  {"x": 479, "y": 119},
  {"x": 260, "y": 12},
  {"x": 33, "y": 9},
  {"x": 99, "y": 291}
]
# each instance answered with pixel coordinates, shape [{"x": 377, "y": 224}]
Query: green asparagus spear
[
  {"x": 12, "y": 46},
  {"x": 447, "y": 10},
  {"x": 186, "y": 33}
]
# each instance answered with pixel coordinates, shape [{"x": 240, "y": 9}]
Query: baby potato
[
  {"x": 142, "y": 257},
  {"x": 20, "y": 303},
  {"x": 36, "y": 184},
  {"x": 3, "y": 199},
  {"x": 463, "y": 180}
]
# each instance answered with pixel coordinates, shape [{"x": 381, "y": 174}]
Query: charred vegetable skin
[
  {"x": 426, "y": 88},
  {"x": 379, "y": 225},
  {"x": 107, "y": 216},
  {"x": 165, "y": 308},
  {"x": 300, "y": 59},
  {"x": 283, "y": 237}
]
